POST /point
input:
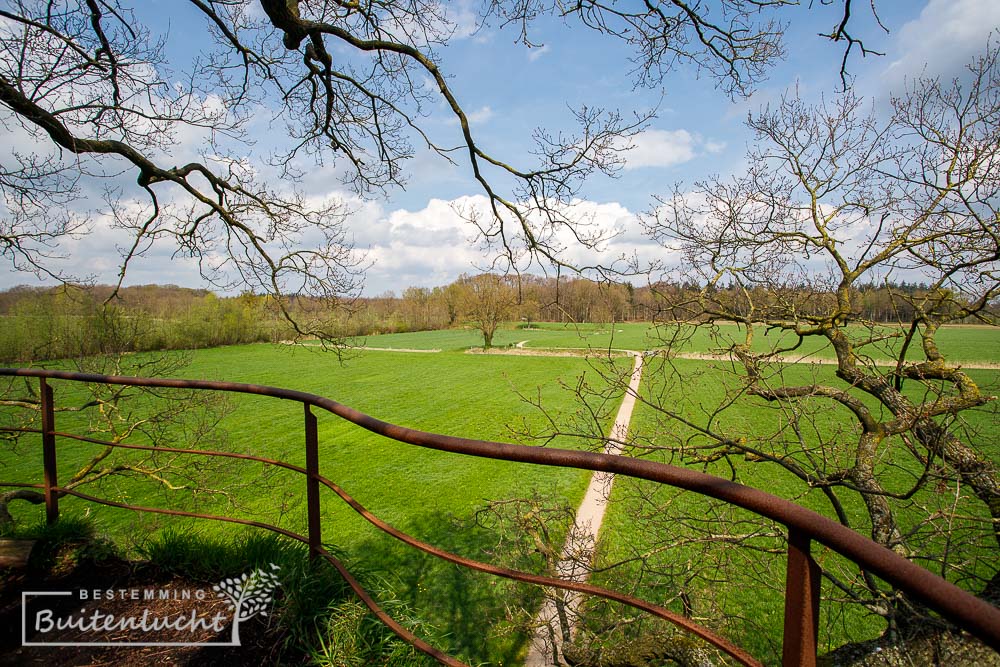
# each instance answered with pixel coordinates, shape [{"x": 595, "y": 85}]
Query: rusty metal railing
[{"x": 801, "y": 622}]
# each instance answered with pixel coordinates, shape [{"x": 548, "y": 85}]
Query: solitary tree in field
[{"x": 488, "y": 300}]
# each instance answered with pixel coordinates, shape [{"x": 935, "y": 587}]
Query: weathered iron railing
[{"x": 804, "y": 526}]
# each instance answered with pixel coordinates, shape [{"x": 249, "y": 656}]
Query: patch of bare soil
[{"x": 118, "y": 579}]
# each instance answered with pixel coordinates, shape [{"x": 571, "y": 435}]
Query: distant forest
[{"x": 42, "y": 323}]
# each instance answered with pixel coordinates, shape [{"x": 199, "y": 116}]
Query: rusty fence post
[
  {"x": 801, "y": 603},
  {"x": 49, "y": 452},
  {"x": 312, "y": 484}
]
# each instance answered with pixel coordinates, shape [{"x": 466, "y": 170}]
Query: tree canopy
[
  {"x": 897, "y": 440},
  {"x": 107, "y": 109}
]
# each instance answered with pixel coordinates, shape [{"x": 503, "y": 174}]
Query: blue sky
[{"x": 414, "y": 237}]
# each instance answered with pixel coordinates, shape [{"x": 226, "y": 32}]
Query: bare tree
[
  {"x": 88, "y": 93},
  {"x": 110, "y": 415},
  {"x": 733, "y": 41},
  {"x": 835, "y": 197},
  {"x": 89, "y": 81},
  {"x": 488, "y": 300},
  {"x": 891, "y": 437}
]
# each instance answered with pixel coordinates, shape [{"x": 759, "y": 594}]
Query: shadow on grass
[
  {"x": 314, "y": 618},
  {"x": 318, "y": 617},
  {"x": 483, "y": 619}
]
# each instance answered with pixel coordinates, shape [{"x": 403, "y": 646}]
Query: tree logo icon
[{"x": 248, "y": 595}]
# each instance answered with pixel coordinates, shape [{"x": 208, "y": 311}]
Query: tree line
[
  {"x": 71, "y": 321},
  {"x": 42, "y": 323}
]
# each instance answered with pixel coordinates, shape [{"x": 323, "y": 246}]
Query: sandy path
[
  {"x": 977, "y": 365},
  {"x": 558, "y": 614},
  {"x": 556, "y": 620},
  {"x": 376, "y": 349},
  {"x": 395, "y": 349},
  {"x": 520, "y": 350}
]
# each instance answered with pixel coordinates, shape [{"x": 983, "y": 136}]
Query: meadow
[
  {"x": 961, "y": 343},
  {"x": 432, "y": 495},
  {"x": 656, "y": 523},
  {"x": 437, "y": 496}
]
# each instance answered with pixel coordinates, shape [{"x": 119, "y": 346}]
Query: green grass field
[
  {"x": 431, "y": 494},
  {"x": 436, "y": 495},
  {"x": 960, "y": 343},
  {"x": 446, "y": 340},
  {"x": 643, "y": 517}
]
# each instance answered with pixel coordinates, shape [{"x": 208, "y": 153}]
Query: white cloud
[
  {"x": 463, "y": 16},
  {"x": 667, "y": 148},
  {"x": 536, "y": 53},
  {"x": 435, "y": 226},
  {"x": 422, "y": 248},
  {"x": 480, "y": 115},
  {"x": 434, "y": 245},
  {"x": 660, "y": 148},
  {"x": 621, "y": 227},
  {"x": 946, "y": 35},
  {"x": 477, "y": 117},
  {"x": 715, "y": 147},
  {"x": 97, "y": 254},
  {"x": 426, "y": 247}
]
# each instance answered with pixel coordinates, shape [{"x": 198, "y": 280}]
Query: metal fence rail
[{"x": 804, "y": 526}]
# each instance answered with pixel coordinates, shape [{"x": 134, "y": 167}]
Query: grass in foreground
[
  {"x": 656, "y": 521},
  {"x": 313, "y": 617},
  {"x": 431, "y": 494}
]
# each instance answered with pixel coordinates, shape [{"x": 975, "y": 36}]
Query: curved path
[
  {"x": 555, "y": 622},
  {"x": 520, "y": 349}
]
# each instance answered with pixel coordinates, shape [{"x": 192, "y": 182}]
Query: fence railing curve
[{"x": 802, "y": 595}]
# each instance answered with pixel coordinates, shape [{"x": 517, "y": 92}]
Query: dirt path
[
  {"x": 558, "y": 614},
  {"x": 379, "y": 349},
  {"x": 520, "y": 350},
  {"x": 975, "y": 365},
  {"x": 397, "y": 349}
]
